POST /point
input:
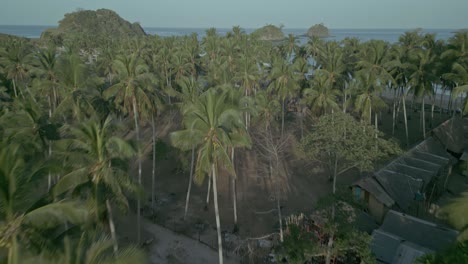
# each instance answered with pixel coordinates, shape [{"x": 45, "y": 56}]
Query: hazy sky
[{"x": 251, "y": 13}]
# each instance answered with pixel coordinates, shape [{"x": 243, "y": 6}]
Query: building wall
[{"x": 375, "y": 208}]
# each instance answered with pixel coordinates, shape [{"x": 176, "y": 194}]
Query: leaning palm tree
[
  {"x": 24, "y": 211},
  {"x": 89, "y": 248},
  {"x": 131, "y": 95},
  {"x": 98, "y": 153},
  {"x": 190, "y": 91},
  {"x": 213, "y": 123}
]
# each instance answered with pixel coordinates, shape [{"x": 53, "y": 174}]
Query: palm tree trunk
[
  {"x": 13, "y": 251},
  {"x": 49, "y": 178},
  {"x": 234, "y": 193},
  {"x": 432, "y": 112},
  {"x": 218, "y": 225},
  {"x": 393, "y": 118},
  {"x": 282, "y": 118},
  {"x": 302, "y": 123},
  {"x": 405, "y": 118},
  {"x": 441, "y": 99},
  {"x": 190, "y": 182},
  {"x": 153, "y": 172},
  {"x": 278, "y": 203},
  {"x": 344, "y": 102},
  {"x": 14, "y": 87},
  {"x": 208, "y": 192},
  {"x": 112, "y": 227},
  {"x": 376, "y": 124},
  {"x": 394, "y": 111},
  {"x": 423, "y": 118},
  {"x": 331, "y": 239},
  {"x": 137, "y": 132}
]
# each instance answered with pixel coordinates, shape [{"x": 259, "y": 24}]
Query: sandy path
[{"x": 164, "y": 246}]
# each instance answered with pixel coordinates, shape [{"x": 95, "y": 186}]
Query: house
[
  {"x": 407, "y": 182},
  {"x": 402, "y": 238},
  {"x": 451, "y": 134}
]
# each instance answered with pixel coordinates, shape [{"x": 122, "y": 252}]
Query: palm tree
[
  {"x": 321, "y": 97},
  {"x": 98, "y": 152},
  {"x": 15, "y": 59},
  {"x": 367, "y": 96},
  {"x": 247, "y": 77},
  {"x": 267, "y": 109},
  {"x": 213, "y": 123},
  {"x": 89, "y": 248},
  {"x": 421, "y": 79},
  {"x": 190, "y": 90},
  {"x": 284, "y": 84},
  {"x": 23, "y": 212},
  {"x": 131, "y": 95},
  {"x": 46, "y": 73},
  {"x": 77, "y": 85}
]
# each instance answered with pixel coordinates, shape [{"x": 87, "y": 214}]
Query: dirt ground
[{"x": 304, "y": 184}]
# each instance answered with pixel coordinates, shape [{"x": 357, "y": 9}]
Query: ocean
[{"x": 389, "y": 35}]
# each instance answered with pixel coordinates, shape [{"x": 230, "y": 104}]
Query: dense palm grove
[{"x": 66, "y": 110}]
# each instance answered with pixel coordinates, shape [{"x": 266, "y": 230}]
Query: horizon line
[{"x": 207, "y": 27}]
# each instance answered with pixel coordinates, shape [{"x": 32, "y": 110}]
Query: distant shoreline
[{"x": 386, "y": 34}]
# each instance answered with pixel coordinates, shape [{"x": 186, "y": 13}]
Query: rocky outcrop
[
  {"x": 269, "y": 32},
  {"x": 318, "y": 30},
  {"x": 102, "y": 23}
]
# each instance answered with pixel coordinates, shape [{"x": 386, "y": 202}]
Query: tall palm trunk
[
  {"x": 137, "y": 132},
  {"x": 190, "y": 183},
  {"x": 331, "y": 238},
  {"x": 208, "y": 192},
  {"x": 423, "y": 118},
  {"x": 282, "y": 117},
  {"x": 49, "y": 178},
  {"x": 405, "y": 117},
  {"x": 14, "y": 87},
  {"x": 394, "y": 111},
  {"x": 234, "y": 191},
  {"x": 153, "y": 172},
  {"x": 441, "y": 102},
  {"x": 112, "y": 227},
  {"x": 218, "y": 224}
]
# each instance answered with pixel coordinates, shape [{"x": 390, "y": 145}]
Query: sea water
[{"x": 389, "y": 35}]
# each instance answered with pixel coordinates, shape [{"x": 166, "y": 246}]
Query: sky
[{"x": 432, "y": 14}]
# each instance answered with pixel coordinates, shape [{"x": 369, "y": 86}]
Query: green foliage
[
  {"x": 306, "y": 238},
  {"x": 455, "y": 212},
  {"x": 456, "y": 253},
  {"x": 340, "y": 142},
  {"x": 91, "y": 28}
]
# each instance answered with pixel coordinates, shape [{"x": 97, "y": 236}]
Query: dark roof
[
  {"x": 402, "y": 238},
  {"x": 401, "y": 187},
  {"x": 451, "y": 134},
  {"x": 389, "y": 248},
  {"x": 410, "y": 173},
  {"x": 372, "y": 186},
  {"x": 418, "y": 231}
]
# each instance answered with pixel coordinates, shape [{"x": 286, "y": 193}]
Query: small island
[
  {"x": 102, "y": 23},
  {"x": 269, "y": 33},
  {"x": 318, "y": 30}
]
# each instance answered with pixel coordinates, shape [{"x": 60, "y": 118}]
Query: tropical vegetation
[{"x": 79, "y": 118}]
